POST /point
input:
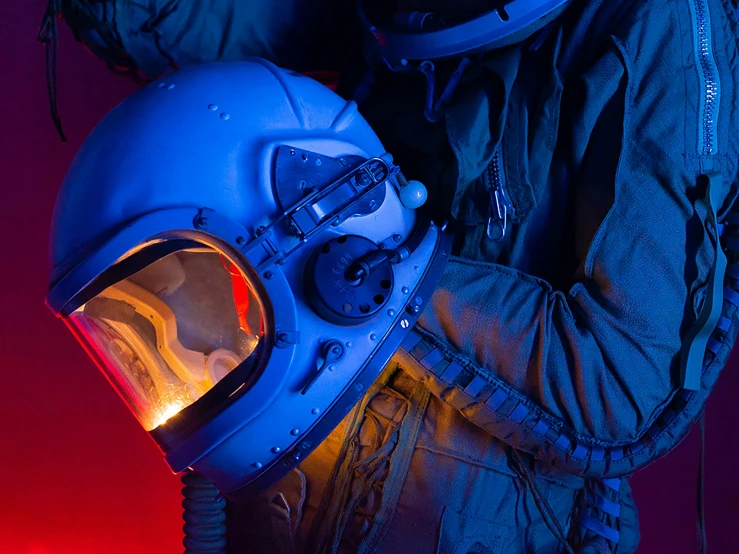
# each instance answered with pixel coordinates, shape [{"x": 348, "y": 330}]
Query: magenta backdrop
[{"x": 79, "y": 476}]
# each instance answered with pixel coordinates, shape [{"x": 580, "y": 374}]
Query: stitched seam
[
  {"x": 559, "y": 425},
  {"x": 552, "y": 420}
]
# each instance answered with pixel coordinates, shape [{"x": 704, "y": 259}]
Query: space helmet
[{"x": 239, "y": 255}]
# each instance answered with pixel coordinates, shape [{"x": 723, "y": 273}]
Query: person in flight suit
[{"x": 581, "y": 154}]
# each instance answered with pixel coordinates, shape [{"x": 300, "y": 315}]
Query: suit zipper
[
  {"x": 500, "y": 207},
  {"x": 709, "y": 77}
]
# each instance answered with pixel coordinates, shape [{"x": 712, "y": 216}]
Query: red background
[{"x": 78, "y": 474}]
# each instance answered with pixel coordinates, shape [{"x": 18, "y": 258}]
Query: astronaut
[{"x": 246, "y": 260}]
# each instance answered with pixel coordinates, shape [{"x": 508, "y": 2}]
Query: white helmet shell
[{"x": 285, "y": 180}]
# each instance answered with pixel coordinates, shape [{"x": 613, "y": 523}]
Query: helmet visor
[{"x": 167, "y": 334}]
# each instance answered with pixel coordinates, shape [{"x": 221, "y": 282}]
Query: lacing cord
[
  {"x": 81, "y": 16},
  {"x": 542, "y": 504},
  {"x": 47, "y": 36}
]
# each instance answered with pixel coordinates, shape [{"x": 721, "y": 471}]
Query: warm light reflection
[
  {"x": 167, "y": 334},
  {"x": 167, "y": 412}
]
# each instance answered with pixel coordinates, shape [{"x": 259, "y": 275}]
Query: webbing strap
[
  {"x": 599, "y": 528},
  {"x": 613, "y": 484},
  {"x": 608, "y": 506},
  {"x": 696, "y": 341},
  {"x": 596, "y": 519},
  {"x": 724, "y": 324}
]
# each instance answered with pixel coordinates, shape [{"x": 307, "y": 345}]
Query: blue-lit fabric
[
  {"x": 160, "y": 35},
  {"x": 581, "y": 313},
  {"x": 564, "y": 339}
]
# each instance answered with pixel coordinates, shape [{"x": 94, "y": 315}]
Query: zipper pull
[
  {"x": 498, "y": 219},
  {"x": 499, "y": 205}
]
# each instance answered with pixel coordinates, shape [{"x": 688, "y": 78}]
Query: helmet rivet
[
  {"x": 315, "y": 411},
  {"x": 295, "y": 432},
  {"x": 224, "y": 116},
  {"x": 391, "y": 312},
  {"x": 213, "y": 107},
  {"x": 257, "y": 465},
  {"x": 240, "y": 240},
  {"x": 405, "y": 290},
  {"x": 268, "y": 274},
  {"x": 276, "y": 449},
  {"x": 170, "y": 86},
  {"x": 373, "y": 337},
  {"x": 348, "y": 344}
]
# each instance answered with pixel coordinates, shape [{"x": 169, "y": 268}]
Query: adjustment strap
[{"x": 696, "y": 341}]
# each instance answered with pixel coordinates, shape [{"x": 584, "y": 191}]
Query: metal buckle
[{"x": 311, "y": 215}]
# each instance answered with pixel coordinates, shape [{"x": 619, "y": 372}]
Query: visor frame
[
  {"x": 221, "y": 234},
  {"x": 210, "y": 448}
]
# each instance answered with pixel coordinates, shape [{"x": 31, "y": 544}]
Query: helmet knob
[{"x": 413, "y": 195}]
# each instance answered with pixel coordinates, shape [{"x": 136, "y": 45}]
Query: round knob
[{"x": 413, "y": 195}]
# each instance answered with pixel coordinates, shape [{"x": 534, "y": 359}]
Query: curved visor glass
[{"x": 167, "y": 334}]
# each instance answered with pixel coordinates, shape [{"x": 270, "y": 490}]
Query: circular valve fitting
[{"x": 333, "y": 292}]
